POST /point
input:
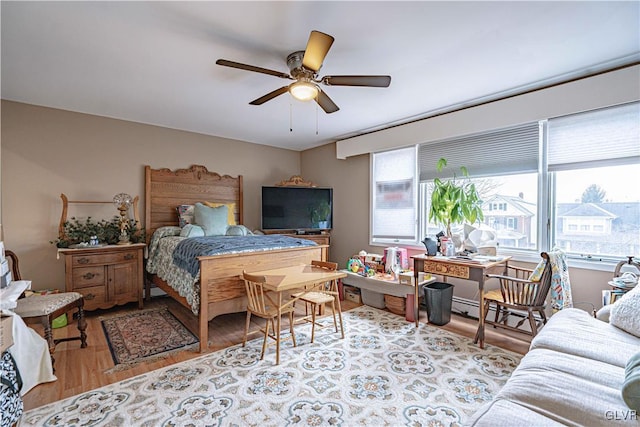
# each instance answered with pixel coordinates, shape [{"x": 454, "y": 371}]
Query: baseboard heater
[
  {"x": 465, "y": 307},
  {"x": 470, "y": 308}
]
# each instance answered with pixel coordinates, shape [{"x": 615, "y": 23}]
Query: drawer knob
[
  {"x": 89, "y": 276},
  {"x": 83, "y": 261},
  {"x": 128, "y": 256},
  {"x": 89, "y": 296}
]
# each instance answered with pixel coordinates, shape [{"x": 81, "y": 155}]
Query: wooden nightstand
[{"x": 106, "y": 276}]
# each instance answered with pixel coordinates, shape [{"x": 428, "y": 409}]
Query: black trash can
[{"x": 438, "y": 297}]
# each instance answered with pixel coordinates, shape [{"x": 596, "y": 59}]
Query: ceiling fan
[{"x": 304, "y": 66}]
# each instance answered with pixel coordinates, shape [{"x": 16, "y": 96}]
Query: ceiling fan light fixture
[{"x": 303, "y": 90}]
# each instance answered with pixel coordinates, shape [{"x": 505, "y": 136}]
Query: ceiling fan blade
[
  {"x": 253, "y": 68},
  {"x": 326, "y": 103},
  {"x": 371, "y": 81},
  {"x": 270, "y": 96},
  {"x": 317, "y": 48}
]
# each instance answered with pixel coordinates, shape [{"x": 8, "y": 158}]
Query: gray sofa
[{"x": 572, "y": 375}]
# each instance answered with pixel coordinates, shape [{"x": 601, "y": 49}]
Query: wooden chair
[
  {"x": 259, "y": 303},
  {"x": 518, "y": 296},
  {"x": 316, "y": 299},
  {"x": 44, "y": 309}
]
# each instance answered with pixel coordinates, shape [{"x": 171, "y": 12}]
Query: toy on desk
[
  {"x": 369, "y": 264},
  {"x": 354, "y": 265}
]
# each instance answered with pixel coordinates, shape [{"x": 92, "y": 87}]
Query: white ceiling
[{"x": 154, "y": 62}]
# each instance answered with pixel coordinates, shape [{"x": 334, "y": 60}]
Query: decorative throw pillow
[
  {"x": 213, "y": 220},
  {"x": 185, "y": 215},
  {"x": 604, "y": 313},
  {"x": 231, "y": 219},
  {"x": 192, "y": 230},
  {"x": 631, "y": 384},
  {"x": 624, "y": 313},
  {"x": 238, "y": 230}
]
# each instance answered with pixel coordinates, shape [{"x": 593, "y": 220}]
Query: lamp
[
  {"x": 303, "y": 90},
  {"x": 123, "y": 202}
]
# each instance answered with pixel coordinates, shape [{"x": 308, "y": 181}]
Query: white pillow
[
  {"x": 604, "y": 313},
  {"x": 192, "y": 230},
  {"x": 238, "y": 230},
  {"x": 624, "y": 313}
]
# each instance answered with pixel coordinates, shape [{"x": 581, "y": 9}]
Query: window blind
[
  {"x": 608, "y": 136},
  {"x": 394, "y": 196},
  {"x": 501, "y": 152}
]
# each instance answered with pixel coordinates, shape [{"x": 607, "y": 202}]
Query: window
[
  {"x": 507, "y": 183},
  {"x": 521, "y": 192},
  {"x": 394, "y": 197},
  {"x": 594, "y": 165},
  {"x": 570, "y": 182}
]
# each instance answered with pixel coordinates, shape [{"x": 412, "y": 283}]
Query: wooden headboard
[{"x": 165, "y": 190}]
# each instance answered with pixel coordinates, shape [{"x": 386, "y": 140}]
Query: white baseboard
[{"x": 470, "y": 308}]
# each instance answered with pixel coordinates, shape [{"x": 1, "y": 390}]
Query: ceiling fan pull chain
[
  {"x": 290, "y": 117},
  {"x": 316, "y": 118}
]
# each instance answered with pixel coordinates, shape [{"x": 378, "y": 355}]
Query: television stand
[
  {"x": 309, "y": 232},
  {"x": 319, "y": 236}
]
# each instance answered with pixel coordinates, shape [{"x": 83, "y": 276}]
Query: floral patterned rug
[
  {"x": 384, "y": 372},
  {"x": 145, "y": 335}
]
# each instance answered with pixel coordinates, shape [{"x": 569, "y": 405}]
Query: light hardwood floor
[{"x": 79, "y": 370}]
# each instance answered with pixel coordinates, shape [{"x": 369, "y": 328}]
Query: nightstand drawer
[
  {"x": 102, "y": 259},
  {"x": 88, "y": 276},
  {"x": 93, "y": 297}
]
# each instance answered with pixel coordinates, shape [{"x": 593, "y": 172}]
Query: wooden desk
[
  {"x": 299, "y": 277},
  {"x": 462, "y": 269}
]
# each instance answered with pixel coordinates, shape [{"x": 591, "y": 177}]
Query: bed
[{"x": 221, "y": 289}]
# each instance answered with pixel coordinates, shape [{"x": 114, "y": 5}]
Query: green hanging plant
[{"x": 455, "y": 200}]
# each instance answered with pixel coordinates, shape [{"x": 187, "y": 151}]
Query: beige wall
[
  {"x": 46, "y": 152},
  {"x": 350, "y": 182}
]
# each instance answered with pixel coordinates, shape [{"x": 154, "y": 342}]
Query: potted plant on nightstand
[{"x": 455, "y": 200}]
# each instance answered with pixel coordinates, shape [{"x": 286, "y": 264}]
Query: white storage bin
[{"x": 374, "y": 299}]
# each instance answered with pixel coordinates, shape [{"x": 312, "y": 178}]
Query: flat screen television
[{"x": 297, "y": 208}]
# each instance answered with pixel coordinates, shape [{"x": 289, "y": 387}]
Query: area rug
[
  {"x": 385, "y": 372},
  {"x": 144, "y": 335}
]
